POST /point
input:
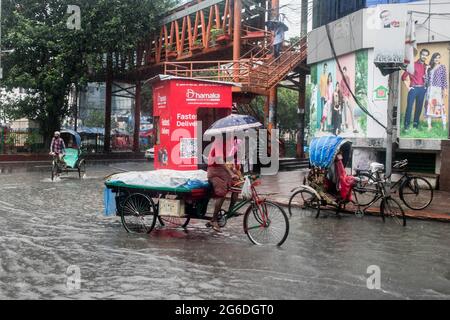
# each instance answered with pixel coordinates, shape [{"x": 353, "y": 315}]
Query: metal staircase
[{"x": 256, "y": 72}]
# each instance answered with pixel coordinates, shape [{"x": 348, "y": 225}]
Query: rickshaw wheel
[
  {"x": 81, "y": 168},
  {"x": 139, "y": 214},
  {"x": 222, "y": 218},
  {"x": 266, "y": 223},
  {"x": 365, "y": 190},
  {"x": 308, "y": 200},
  {"x": 174, "y": 222},
  {"x": 390, "y": 207}
]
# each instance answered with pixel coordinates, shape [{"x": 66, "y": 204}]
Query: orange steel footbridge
[{"x": 224, "y": 40}]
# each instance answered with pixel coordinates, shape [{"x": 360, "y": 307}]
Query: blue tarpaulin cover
[
  {"x": 323, "y": 150},
  {"x": 109, "y": 202}
]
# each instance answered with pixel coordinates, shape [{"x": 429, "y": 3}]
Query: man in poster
[{"x": 416, "y": 89}]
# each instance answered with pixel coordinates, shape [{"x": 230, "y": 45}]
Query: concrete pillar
[
  {"x": 137, "y": 116},
  {"x": 444, "y": 178}
]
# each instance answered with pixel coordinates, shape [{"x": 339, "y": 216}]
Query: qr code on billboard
[{"x": 188, "y": 148}]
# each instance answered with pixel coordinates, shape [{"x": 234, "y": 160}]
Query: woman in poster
[
  {"x": 326, "y": 115},
  {"x": 337, "y": 110},
  {"x": 437, "y": 84}
]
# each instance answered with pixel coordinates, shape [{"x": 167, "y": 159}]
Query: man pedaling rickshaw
[
  {"x": 223, "y": 176},
  {"x": 58, "y": 148}
]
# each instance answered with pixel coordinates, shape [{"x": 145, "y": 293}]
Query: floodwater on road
[{"x": 47, "y": 227}]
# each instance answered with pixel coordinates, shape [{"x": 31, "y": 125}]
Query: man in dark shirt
[{"x": 416, "y": 89}]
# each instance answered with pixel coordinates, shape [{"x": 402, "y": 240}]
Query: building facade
[
  {"x": 420, "y": 116},
  {"x": 326, "y": 11},
  {"x": 92, "y": 105}
]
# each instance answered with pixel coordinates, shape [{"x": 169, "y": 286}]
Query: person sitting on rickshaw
[
  {"x": 57, "y": 147},
  {"x": 222, "y": 176},
  {"x": 342, "y": 183}
]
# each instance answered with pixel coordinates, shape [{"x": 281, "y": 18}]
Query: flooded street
[{"x": 46, "y": 227}]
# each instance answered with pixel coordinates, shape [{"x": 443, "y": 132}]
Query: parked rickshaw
[
  {"x": 73, "y": 160},
  {"x": 328, "y": 186}
]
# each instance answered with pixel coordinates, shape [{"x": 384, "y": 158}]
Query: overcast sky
[{"x": 292, "y": 10}]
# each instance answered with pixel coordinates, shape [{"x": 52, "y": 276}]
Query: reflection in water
[{"x": 49, "y": 226}]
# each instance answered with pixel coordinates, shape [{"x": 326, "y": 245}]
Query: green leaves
[{"x": 50, "y": 58}]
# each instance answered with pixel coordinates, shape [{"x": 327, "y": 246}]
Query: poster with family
[
  {"x": 332, "y": 107},
  {"x": 424, "y": 94}
]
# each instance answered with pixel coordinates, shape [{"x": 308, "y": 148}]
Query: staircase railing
[
  {"x": 261, "y": 72},
  {"x": 288, "y": 59}
]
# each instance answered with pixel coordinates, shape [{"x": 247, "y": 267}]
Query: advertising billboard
[
  {"x": 332, "y": 108},
  {"x": 179, "y": 106},
  {"x": 424, "y": 94}
]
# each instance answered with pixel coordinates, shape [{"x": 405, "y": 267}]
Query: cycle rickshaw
[
  {"x": 73, "y": 160},
  {"x": 141, "y": 204},
  {"x": 174, "y": 198},
  {"x": 328, "y": 185}
]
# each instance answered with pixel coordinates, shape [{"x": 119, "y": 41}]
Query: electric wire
[{"x": 333, "y": 50}]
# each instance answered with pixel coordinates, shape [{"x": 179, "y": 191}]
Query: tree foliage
[
  {"x": 49, "y": 58},
  {"x": 287, "y": 109}
]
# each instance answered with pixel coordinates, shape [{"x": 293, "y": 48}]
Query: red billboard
[{"x": 178, "y": 106}]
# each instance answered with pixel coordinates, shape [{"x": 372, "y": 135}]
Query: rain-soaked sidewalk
[{"x": 279, "y": 187}]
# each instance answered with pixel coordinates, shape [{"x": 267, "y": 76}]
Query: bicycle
[
  {"x": 58, "y": 166},
  {"x": 414, "y": 191},
  {"x": 389, "y": 206}
]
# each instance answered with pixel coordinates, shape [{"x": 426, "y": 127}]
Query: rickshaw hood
[{"x": 323, "y": 150}]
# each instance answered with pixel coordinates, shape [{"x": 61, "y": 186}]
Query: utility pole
[
  {"x": 108, "y": 104},
  {"x": 137, "y": 116},
  {"x": 1, "y": 69},
  {"x": 391, "y": 130},
  {"x": 302, "y": 87}
]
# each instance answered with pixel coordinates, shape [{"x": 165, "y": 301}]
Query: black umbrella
[
  {"x": 275, "y": 24},
  {"x": 233, "y": 123}
]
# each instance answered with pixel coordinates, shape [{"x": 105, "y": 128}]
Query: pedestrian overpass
[{"x": 223, "y": 40}]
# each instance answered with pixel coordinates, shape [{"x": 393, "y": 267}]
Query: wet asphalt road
[{"x": 45, "y": 227}]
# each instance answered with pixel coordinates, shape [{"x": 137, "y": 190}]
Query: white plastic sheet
[{"x": 161, "y": 178}]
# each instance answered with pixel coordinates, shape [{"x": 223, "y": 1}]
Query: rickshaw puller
[
  {"x": 222, "y": 178},
  {"x": 57, "y": 147}
]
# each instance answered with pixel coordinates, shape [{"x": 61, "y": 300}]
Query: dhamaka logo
[{"x": 191, "y": 95}]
